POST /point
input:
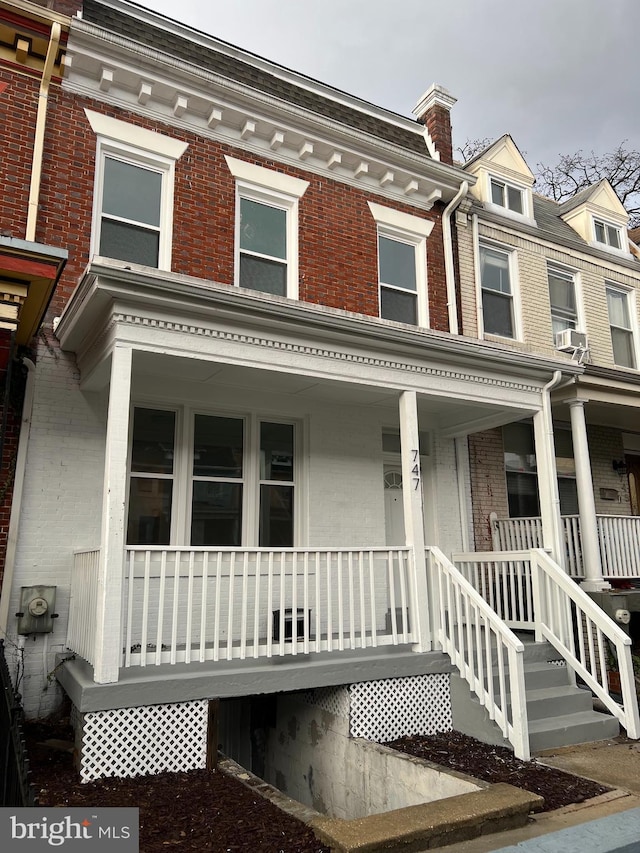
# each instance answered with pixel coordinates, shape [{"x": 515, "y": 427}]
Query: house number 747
[{"x": 416, "y": 469}]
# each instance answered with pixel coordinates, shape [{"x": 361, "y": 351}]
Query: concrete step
[
  {"x": 540, "y": 674},
  {"x": 557, "y": 701},
  {"x": 564, "y": 730}
]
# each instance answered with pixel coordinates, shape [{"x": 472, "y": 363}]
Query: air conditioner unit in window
[{"x": 571, "y": 340}]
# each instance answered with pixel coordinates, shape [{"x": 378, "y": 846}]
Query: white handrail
[
  {"x": 478, "y": 641},
  {"x": 564, "y": 614}
]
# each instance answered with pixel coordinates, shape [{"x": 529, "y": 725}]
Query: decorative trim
[
  {"x": 131, "y": 134},
  {"x": 320, "y": 352},
  {"x": 268, "y": 178},
  {"x": 403, "y": 221}
]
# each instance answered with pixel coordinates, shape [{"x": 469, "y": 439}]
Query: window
[
  {"x": 506, "y": 195},
  {"x": 497, "y": 294},
  {"x": 130, "y": 214},
  {"x": 239, "y": 474},
  {"x": 607, "y": 234},
  {"x": 522, "y": 475},
  {"x": 402, "y": 268},
  {"x": 266, "y": 228},
  {"x": 133, "y": 196},
  {"x": 622, "y": 337},
  {"x": 562, "y": 296},
  {"x": 398, "y": 283}
]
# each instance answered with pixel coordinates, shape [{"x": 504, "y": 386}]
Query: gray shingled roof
[{"x": 250, "y": 75}]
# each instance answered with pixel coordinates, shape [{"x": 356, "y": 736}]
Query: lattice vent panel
[
  {"x": 137, "y": 741},
  {"x": 390, "y": 708},
  {"x": 335, "y": 700}
]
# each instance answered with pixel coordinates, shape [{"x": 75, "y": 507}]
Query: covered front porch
[{"x": 246, "y": 509}]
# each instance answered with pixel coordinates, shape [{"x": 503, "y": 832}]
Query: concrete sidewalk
[{"x": 611, "y": 762}]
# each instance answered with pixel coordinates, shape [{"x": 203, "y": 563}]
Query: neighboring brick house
[
  {"x": 248, "y": 459},
  {"x": 563, "y": 280}
]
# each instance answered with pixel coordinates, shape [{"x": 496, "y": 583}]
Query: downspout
[
  {"x": 16, "y": 502},
  {"x": 449, "y": 272},
  {"x": 41, "y": 121},
  {"x": 548, "y": 444}
]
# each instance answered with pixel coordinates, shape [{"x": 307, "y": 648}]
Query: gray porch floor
[{"x": 167, "y": 683}]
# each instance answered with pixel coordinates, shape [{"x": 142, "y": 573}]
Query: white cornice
[{"x": 165, "y": 89}]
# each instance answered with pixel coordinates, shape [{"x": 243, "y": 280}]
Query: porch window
[
  {"x": 497, "y": 292},
  {"x": 522, "y": 473},
  {"x": 276, "y": 485},
  {"x": 152, "y": 477},
  {"x": 218, "y": 481}
]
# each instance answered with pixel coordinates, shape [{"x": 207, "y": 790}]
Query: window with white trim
[
  {"x": 562, "y": 298},
  {"x": 498, "y": 313},
  {"x": 266, "y": 228},
  {"x": 521, "y": 470},
  {"x": 607, "y": 234},
  {"x": 402, "y": 265},
  {"x": 238, "y": 473},
  {"x": 507, "y": 195},
  {"x": 621, "y": 325},
  {"x": 133, "y": 193}
]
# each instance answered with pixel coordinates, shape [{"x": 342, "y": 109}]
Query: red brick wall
[
  {"x": 337, "y": 234},
  {"x": 438, "y": 122},
  {"x": 18, "y": 103},
  {"x": 488, "y": 483}
]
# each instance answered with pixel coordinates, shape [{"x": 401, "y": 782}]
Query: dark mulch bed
[
  {"x": 497, "y": 764},
  {"x": 213, "y": 812},
  {"x": 198, "y": 810}
]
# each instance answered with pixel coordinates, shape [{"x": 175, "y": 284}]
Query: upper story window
[
  {"x": 496, "y": 279},
  {"x": 266, "y": 228},
  {"x": 402, "y": 269},
  {"x": 133, "y": 195},
  {"x": 609, "y": 235},
  {"x": 507, "y": 195},
  {"x": 562, "y": 297},
  {"x": 622, "y": 327}
]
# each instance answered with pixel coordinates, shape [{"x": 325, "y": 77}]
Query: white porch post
[
  {"x": 414, "y": 512},
  {"x": 552, "y": 533},
  {"x": 108, "y": 648},
  {"x": 593, "y": 582}
]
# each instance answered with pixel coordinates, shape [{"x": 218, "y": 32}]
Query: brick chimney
[{"x": 433, "y": 110}]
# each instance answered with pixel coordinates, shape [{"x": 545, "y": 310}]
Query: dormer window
[
  {"x": 607, "y": 234},
  {"x": 506, "y": 195}
]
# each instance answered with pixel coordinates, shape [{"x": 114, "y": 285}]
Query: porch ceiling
[{"x": 197, "y": 378}]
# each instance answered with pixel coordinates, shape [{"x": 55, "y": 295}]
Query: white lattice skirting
[
  {"x": 136, "y": 741},
  {"x": 392, "y": 707}
]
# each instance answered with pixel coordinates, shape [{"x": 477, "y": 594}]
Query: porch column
[
  {"x": 593, "y": 582},
  {"x": 108, "y": 648},
  {"x": 552, "y": 531},
  {"x": 414, "y": 512}
]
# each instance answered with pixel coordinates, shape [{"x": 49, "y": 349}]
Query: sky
[{"x": 558, "y": 75}]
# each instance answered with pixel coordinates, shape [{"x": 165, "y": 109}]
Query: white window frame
[
  {"x": 630, "y": 297},
  {"x": 137, "y": 147},
  {"x": 277, "y": 190},
  {"x": 607, "y": 227},
  {"x": 577, "y": 293},
  {"x": 412, "y": 230},
  {"x": 182, "y": 477},
  {"x": 506, "y": 186},
  {"x": 516, "y": 312}
]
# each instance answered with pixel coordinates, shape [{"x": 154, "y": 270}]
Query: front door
[{"x": 393, "y": 507}]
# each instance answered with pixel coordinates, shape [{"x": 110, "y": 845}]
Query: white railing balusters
[
  {"x": 128, "y": 641},
  {"x": 189, "y": 622},
  {"x": 82, "y": 605},
  {"x": 145, "y": 609},
  {"x": 495, "y": 673},
  {"x": 174, "y": 614},
  {"x": 256, "y": 606}
]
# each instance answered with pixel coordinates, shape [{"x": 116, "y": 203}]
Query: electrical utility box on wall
[{"x": 37, "y": 604}]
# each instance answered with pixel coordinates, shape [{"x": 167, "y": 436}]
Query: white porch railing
[
  {"x": 548, "y": 601},
  {"x": 81, "y": 631},
  {"x": 618, "y": 537},
  {"x": 486, "y": 652},
  {"x": 185, "y": 604}
]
